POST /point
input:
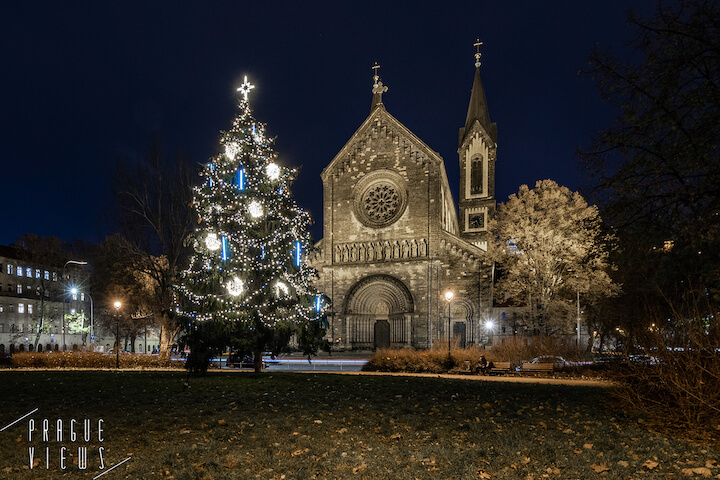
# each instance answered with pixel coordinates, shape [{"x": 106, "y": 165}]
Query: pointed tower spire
[
  {"x": 378, "y": 88},
  {"x": 478, "y": 110}
]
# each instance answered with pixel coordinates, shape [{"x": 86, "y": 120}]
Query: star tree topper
[{"x": 245, "y": 88}]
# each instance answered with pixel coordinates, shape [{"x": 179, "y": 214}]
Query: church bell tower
[{"x": 477, "y": 148}]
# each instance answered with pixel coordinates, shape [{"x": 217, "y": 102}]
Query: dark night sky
[{"x": 86, "y": 83}]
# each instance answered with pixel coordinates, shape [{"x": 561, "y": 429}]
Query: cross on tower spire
[{"x": 477, "y": 45}]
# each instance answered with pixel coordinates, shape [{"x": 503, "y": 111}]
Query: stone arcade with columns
[{"x": 393, "y": 242}]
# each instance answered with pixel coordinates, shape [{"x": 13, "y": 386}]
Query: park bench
[
  {"x": 537, "y": 368},
  {"x": 500, "y": 368}
]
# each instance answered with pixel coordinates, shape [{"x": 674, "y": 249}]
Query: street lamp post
[
  {"x": 449, "y": 296},
  {"x": 117, "y": 334},
  {"x": 74, "y": 262}
]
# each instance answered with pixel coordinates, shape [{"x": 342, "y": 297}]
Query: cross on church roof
[
  {"x": 477, "y": 53},
  {"x": 378, "y": 87}
]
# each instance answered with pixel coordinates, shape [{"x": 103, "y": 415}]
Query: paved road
[{"x": 319, "y": 364}]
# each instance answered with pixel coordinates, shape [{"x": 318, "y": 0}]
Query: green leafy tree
[
  {"x": 251, "y": 242},
  {"x": 550, "y": 245}
]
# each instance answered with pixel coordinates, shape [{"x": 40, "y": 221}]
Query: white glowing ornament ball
[
  {"x": 272, "y": 171},
  {"x": 281, "y": 289},
  {"x": 231, "y": 149},
  {"x": 255, "y": 209},
  {"x": 235, "y": 287},
  {"x": 212, "y": 242}
]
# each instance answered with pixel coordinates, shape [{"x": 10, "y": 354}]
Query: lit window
[
  {"x": 30, "y": 308},
  {"x": 21, "y": 308},
  {"x": 2, "y": 308},
  {"x": 82, "y": 297},
  {"x": 37, "y": 273},
  {"x": 18, "y": 272},
  {"x": 10, "y": 269},
  {"x": 28, "y": 272},
  {"x": 54, "y": 276},
  {"x": 47, "y": 275},
  {"x": 19, "y": 289},
  {"x": 74, "y": 296}
]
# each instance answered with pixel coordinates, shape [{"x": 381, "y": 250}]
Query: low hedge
[
  {"x": 425, "y": 361},
  {"x": 90, "y": 360}
]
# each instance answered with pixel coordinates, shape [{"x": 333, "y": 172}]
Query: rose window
[{"x": 381, "y": 202}]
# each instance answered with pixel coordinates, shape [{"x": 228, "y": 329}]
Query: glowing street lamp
[
  {"x": 449, "y": 296},
  {"x": 117, "y": 306}
]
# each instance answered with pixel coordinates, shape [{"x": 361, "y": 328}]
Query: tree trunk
[
  {"x": 258, "y": 360},
  {"x": 168, "y": 331}
]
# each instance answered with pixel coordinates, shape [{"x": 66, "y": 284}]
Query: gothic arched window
[{"x": 476, "y": 176}]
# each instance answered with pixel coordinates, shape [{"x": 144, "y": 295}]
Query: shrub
[
  {"x": 519, "y": 349},
  {"x": 675, "y": 381},
  {"x": 434, "y": 360},
  {"x": 89, "y": 360}
]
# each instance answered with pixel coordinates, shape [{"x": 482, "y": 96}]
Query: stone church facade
[{"x": 393, "y": 242}]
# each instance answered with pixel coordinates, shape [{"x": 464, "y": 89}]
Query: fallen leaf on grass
[
  {"x": 222, "y": 423},
  {"x": 525, "y": 460},
  {"x": 711, "y": 464},
  {"x": 486, "y": 405},
  {"x": 649, "y": 464},
  {"x": 342, "y": 430},
  {"x": 318, "y": 421},
  {"x": 588, "y": 445},
  {"x": 395, "y": 436},
  {"x": 483, "y": 474},
  {"x": 359, "y": 468},
  {"x": 623, "y": 463},
  {"x": 705, "y": 472},
  {"x": 600, "y": 468}
]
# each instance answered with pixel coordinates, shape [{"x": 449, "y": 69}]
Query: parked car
[
  {"x": 236, "y": 360},
  {"x": 558, "y": 362}
]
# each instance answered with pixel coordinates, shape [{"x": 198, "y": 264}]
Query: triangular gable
[{"x": 397, "y": 129}]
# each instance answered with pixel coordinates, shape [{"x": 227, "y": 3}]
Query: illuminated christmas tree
[{"x": 251, "y": 243}]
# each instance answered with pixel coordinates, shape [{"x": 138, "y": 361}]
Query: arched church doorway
[
  {"x": 382, "y": 334},
  {"x": 460, "y": 334},
  {"x": 378, "y": 310}
]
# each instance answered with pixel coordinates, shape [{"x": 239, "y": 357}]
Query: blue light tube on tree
[
  {"x": 297, "y": 254},
  {"x": 224, "y": 248},
  {"x": 241, "y": 179}
]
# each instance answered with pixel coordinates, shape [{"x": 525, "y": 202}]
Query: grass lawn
[{"x": 301, "y": 426}]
